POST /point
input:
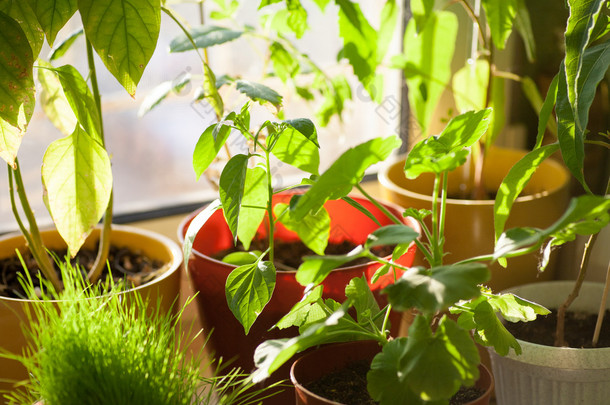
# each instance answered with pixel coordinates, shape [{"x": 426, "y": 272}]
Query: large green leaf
[
  {"x": 427, "y": 63},
  {"x": 438, "y": 288},
  {"x": 490, "y": 331},
  {"x": 293, "y": 148},
  {"x": 315, "y": 268},
  {"x": 81, "y": 100},
  {"x": 386, "y": 380},
  {"x": 124, "y": 34},
  {"x": 443, "y": 153},
  {"x": 253, "y": 204},
  {"x": 313, "y": 230},
  {"x": 77, "y": 179},
  {"x": 16, "y": 86},
  {"x": 21, "y": 12},
  {"x": 53, "y": 15},
  {"x": 470, "y": 86},
  {"x": 54, "y": 101},
  {"x": 231, "y": 189},
  {"x": 204, "y": 36},
  {"x": 500, "y": 16},
  {"x": 249, "y": 288},
  {"x": 515, "y": 181},
  {"x": 209, "y": 144},
  {"x": 581, "y": 22},
  {"x": 347, "y": 171}
]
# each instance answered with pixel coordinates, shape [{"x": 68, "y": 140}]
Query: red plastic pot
[
  {"x": 329, "y": 358},
  {"x": 208, "y": 277}
]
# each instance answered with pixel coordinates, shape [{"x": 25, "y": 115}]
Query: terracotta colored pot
[
  {"x": 469, "y": 226},
  {"x": 166, "y": 287},
  {"x": 208, "y": 277},
  {"x": 326, "y": 359}
]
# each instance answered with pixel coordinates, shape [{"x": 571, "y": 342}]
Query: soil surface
[
  {"x": 288, "y": 255},
  {"x": 348, "y": 386},
  {"x": 579, "y": 328},
  {"x": 132, "y": 267}
]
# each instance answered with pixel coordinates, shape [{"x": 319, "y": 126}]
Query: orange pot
[
  {"x": 166, "y": 288},
  {"x": 469, "y": 227}
]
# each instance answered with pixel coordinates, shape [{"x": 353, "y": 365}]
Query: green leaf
[
  {"x": 523, "y": 25},
  {"x": 335, "y": 96},
  {"x": 81, "y": 100},
  {"x": 306, "y": 127},
  {"x": 387, "y": 25},
  {"x": 447, "y": 151},
  {"x": 438, "y": 288},
  {"x": 313, "y": 230},
  {"x": 60, "y": 49},
  {"x": 10, "y": 139},
  {"x": 77, "y": 179},
  {"x": 200, "y": 219},
  {"x": 427, "y": 63},
  {"x": 546, "y": 109},
  {"x": 500, "y": 16},
  {"x": 124, "y": 34},
  {"x": 516, "y": 309},
  {"x": 16, "y": 77},
  {"x": 22, "y": 13},
  {"x": 293, "y": 148},
  {"x": 515, "y": 181},
  {"x": 253, "y": 205},
  {"x": 391, "y": 235},
  {"x": 209, "y": 144},
  {"x": 299, "y": 315},
  {"x": 315, "y": 268},
  {"x": 361, "y": 208},
  {"x": 249, "y": 288},
  {"x": 347, "y": 171},
  {"x": 259, "y": 92},
  {"x": 242, "y": 258},
  {"x": 581, "y": 23},
  {"x": 364, "y": 301},
  {"x": 54, "y": 101},
  {"x": 204, "y": 36},
  {"x": 232, "y": 182},
  {"x": 161, "y": 91},
  {"x": 470, "y": 86},
  {"x": 210, "y": 87},
  {"x": 491, "y": 332},
  {"x": 285, "y": 65},
  {"x": 53, "y": 15},
  {"x": 421, "y": 11}
]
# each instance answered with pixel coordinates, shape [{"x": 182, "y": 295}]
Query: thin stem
[
  {"x": 104, "y": 243},
  {"x": 383, "y": 209},
  {"x": 270, "y": 206},
  {"x": 442, "y": 213},
  {"x": 434, "y": 243},
  {"x": 602, "y": 309},
  {"x": 32, "y": 236},
  {"x": 386, "y": 320}
]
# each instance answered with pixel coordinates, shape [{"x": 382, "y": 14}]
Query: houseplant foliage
[
  {"x": 76, "y": 169},
  {"x": 431, "y": 363},
  {"x": 113, "y": 348}
]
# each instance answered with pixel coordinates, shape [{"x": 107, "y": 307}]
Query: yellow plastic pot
[
  {"x": 166, "y": 288},
  {"x": 469, "y": 227}
]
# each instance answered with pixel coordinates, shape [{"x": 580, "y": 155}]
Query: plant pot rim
[
  {"x": 556, "y": 356},
  {"x": 172, "y": 266},
  {"x": 182, "y": 226},
  {"x": 385, "y": 181}
]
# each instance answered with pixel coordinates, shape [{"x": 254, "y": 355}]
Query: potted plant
[
  {"x": 439, "y": 354},
  {"x": 580, "y": 374},
  {"x": 430, "y": 39},
  {"x": 76, "y": 171},
  {"x": 109, "y": 345}
]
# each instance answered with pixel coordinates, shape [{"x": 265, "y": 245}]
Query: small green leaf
[
  {"x": 315, "y": 268},
  {"x": 249, "y": 288},
  {"x": 523, "y": 25},
  {"x": 391, "y": 235},
  {"x": 359, "y": 292},
  {"x": 470, "y": 86},
  {"x": 293, "y": 148},
  {"x": 231, "y": 189},
  {"x": 491, "y": 332},
  {"x": 22, "y": 13},
  {"x": 209, "y": 144},
  {"x": 361, "y": 208},
  {"x": 54, "y": 101},
  {"x": 299, "y": 315},
  {"x": 306, "y": 128},
  {"x": 313, "y": 230},
  {"x": 285, "y": 65},
  {"x": 200, "y": 219},
  {"x": 53, "y": 15},
  {"x": 500, "y": 16},
  {"x": 10, "y": 139},
  {"x": 347, "y": 171},
  {"x": 242, "y": 258},
  {"x": 253, "y": 204},
  {"x": 124, "y": 35},
  {"x": 81, "y": 100},
  {"x": 447, "y": 151},
  {"x": 210, "y": 87},
  {"x": 60, "y": 49},
  {"x": 259, "y": 92},
  {"x": 161, "y": 91},
  {"x": 546, "y": 108},
  {"x": 204, "y": 36},
  {"x": 77, "y": 179},
  {"x": 516, "y": 309}
]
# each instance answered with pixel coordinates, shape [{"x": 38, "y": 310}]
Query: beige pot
[
  {"x": 166, "y": 287},
  {"x": 469, "y": 227}
]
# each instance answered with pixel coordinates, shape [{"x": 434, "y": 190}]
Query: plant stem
[
  {"x": 270, "y": 206},
  {"x": 104, "y": 243},
  {"x": 435, "y": 242},
  {"x": 32, "y": 237},
  {"x": 383, "y": 209},
  {"x": 602, "y": 309}
]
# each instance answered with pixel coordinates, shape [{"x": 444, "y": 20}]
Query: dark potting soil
[
  {"x": 288, "y": 255},
  {"x": 127, "y": 266},
  {"x": 348, "y": 386},
  {"x": 579, "y": 328}
]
